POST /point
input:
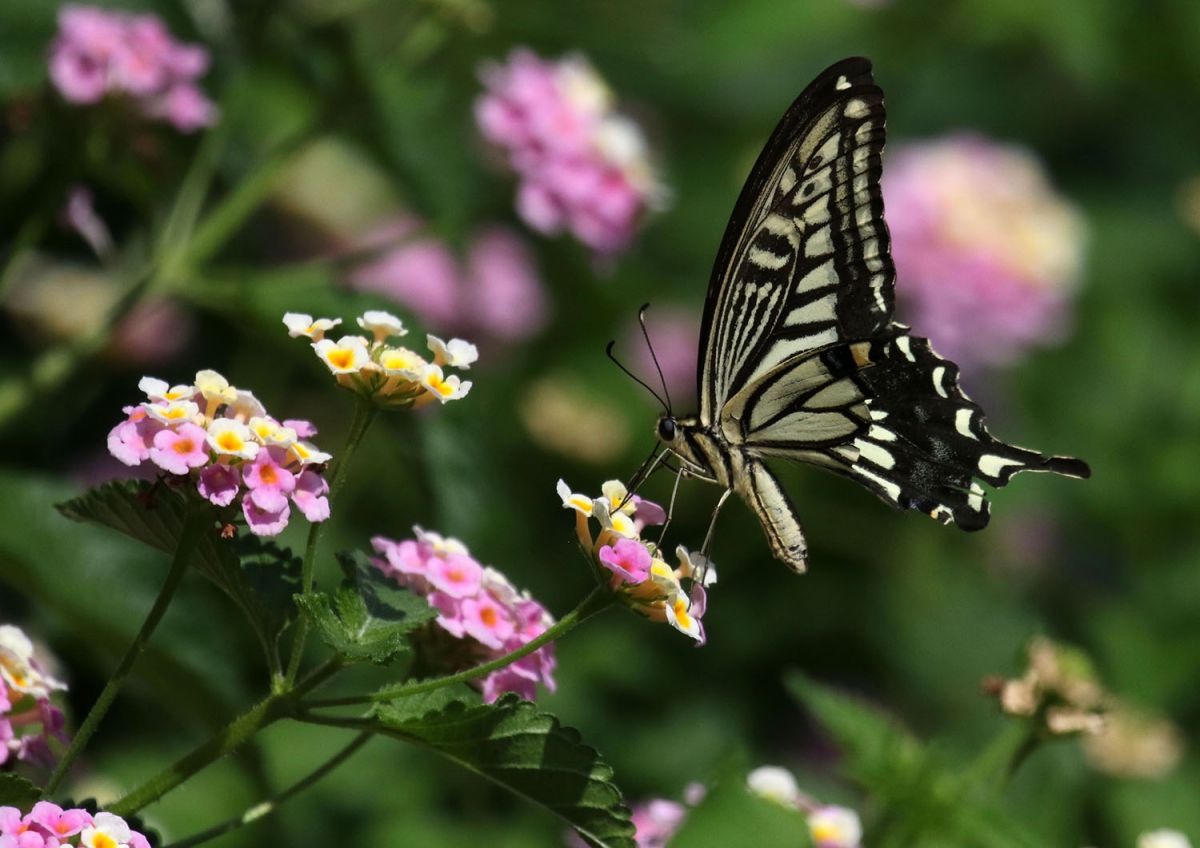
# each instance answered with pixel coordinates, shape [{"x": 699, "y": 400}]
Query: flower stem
[
  {"x": 269, "y": 806},
  {"x": 263, "y": 714},
  {"x": 364, "y": 414},
  {"x": 599, "y": 599},
  {"x": 196, "y": 520}
]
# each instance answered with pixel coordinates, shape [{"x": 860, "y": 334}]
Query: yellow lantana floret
[
  {"x": 442, "y": 387},
  {"x": 402, "y": 362},
  {"x": 172, "y": 412},
  {"x": 347, "y": 355},
  {"x": 215, "y": 388},
  {"x": 232, "y": 438},
  {"x": 306, "y": 453},
  {"x": 299, "y": 324}
]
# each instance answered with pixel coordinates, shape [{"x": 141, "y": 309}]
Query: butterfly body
[{"x": 799, "y": 356}]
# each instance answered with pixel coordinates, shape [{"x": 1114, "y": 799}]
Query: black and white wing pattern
[
  {"x": 804, "y": 261},
  {"x": 800, "y": 358},
  {"x": 889, "y": 413}
]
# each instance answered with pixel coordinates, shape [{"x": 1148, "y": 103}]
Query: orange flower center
[
  {"x": 341, "y": 358},
  {"x": 267, "y": 475},
  {"x": 183, "y": 446},
  {"x": 488, "y": 616}
]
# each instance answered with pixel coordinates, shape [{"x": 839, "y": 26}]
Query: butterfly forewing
[{"x": 804, "y": 262}]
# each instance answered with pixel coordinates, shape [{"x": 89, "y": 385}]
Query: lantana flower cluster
[
  {"x": 988, "y": 255},
  {"x": 222, "y": 437},
  {"x": 28, "y": 719},
  {"x": 481, "y": 615},
  {"x": 1059, "y": 690},
  {"x": 48, "y": 825},
  {"x": 388, "y": 375},
  {"x": 98, "y": 53},
  {"x": 635, "y": 568},
  {"x": 582, "y": 166},
  {"x": 829, "y": 825}
]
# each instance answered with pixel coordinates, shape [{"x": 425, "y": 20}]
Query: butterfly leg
[
  {"x": 670, "y": 507},
  {"x": 712, "y": 524}
]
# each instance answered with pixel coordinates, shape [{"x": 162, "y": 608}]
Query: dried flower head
[{"x": 1058, "y": 690}]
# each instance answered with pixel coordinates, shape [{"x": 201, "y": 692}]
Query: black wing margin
[
  {"x": 805, "y": 258},
  {"x": 899, "y": 424}
]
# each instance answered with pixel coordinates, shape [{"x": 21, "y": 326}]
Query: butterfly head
[{"x": 667, "y": 428}]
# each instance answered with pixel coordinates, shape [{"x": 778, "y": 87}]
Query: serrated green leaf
[
  {"x": 527, "y": 752},
  {"x": 16, "y": 791},
  {"x": 732, "y": 815},
  {"x": 155, "y": 516},
  {"x": 369, "y": 617}
]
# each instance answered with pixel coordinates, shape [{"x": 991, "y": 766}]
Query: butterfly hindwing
[
  {"x": 889, "y": 413},
  {"x": 804, "y": 262}
]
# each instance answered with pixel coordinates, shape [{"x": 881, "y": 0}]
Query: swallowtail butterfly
[{"x": 799, "y": 356}]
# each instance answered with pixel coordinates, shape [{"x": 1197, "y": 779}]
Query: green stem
[
  {"x": 196, "y": 521},
  {"x": 364, "y": 414},
  {"x": 600, "y": 599},
  {"x": 269, "y": 806},
  {"x": 263, "y": 714},
  {"x": 993, "y": 769}
]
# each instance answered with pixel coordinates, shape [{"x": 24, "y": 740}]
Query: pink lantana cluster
[
  {"x": 481, "y": 615},
  {"x": 829, "y": 825},
  {"x": 27, "y": 717},
  {"x": 582, "y": 166},
  {"x": 388, "y": 375},
  {"x": 48, "y": 825},
  {"x": 98, "y": 53},
  {"x": 222, "y": 437},
  {"x": 634, "y": 567},
  {"x": 495, "y": 292},
  {"x": 987, "y": 255}
]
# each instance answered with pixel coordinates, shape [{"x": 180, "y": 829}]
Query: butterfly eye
[{"x": 666, "y": 429}]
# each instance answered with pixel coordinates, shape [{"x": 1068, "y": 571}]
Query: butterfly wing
[
  {"x": 804, "y": 261},
  {"x": 887, "y": 412}
]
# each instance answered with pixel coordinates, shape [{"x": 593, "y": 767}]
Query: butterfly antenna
[
  {"x": 657, "y": 367},
  {"x": 609, "y": 353}
]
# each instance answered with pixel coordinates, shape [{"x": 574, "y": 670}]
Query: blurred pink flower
[
  {"x": 496, "y": 293},
  {"x": 581, "y": 166},
  {"x": 987, "y": 255},
  {"x": 153, "y": 332},
  {"x": 675, "y": 333},
  {"x": 99, "y": 52},
  {"x": 80, "y": 215},
  {"x": 503, "y": 292}
]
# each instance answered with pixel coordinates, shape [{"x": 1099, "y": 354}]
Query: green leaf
[
  {"x": 369, "y": 617},
  {"x": 154, "y": 516},
  {"x": 527, "y": 752},
  {"x": 732, "y": 815},
  {"x": 877, "y": 748},
  {"x": 16, "y": 791}
]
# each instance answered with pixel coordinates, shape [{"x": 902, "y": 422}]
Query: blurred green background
[{"x": 908, "y": 613}]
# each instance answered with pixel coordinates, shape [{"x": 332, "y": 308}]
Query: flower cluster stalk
[{"x": 195, "y": 522}]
